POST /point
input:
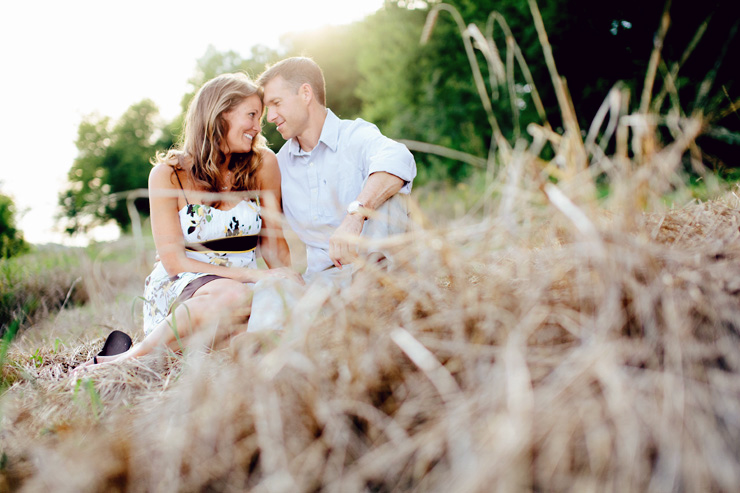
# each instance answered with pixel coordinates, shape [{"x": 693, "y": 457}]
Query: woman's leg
[{"x": 222, "y": 305}]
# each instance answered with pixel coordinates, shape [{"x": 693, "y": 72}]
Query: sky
[{"x": 62, "y": 61}]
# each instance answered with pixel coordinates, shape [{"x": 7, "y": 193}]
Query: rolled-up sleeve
[{"x": 383, "y": 154}]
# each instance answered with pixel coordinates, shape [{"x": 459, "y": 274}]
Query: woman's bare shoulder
[
  {"x": 268, "y": 169},
  {"x": 162, "y": 175},
  {"x": 268, "y": 176},
  {"x": 173, "y": 163},
  {"x": 267, "y": 151}
]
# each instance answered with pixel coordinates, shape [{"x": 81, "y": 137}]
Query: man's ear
[{"x": 306, "y": 92}]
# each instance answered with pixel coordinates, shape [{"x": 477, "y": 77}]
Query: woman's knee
[
  {"x": 236, "y": 295},
  {"x": 229, "y": 294}
]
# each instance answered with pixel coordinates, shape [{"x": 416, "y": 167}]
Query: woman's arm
[
  {"x": 167, "y": 232},
  {"x": 273, "y": 246}
]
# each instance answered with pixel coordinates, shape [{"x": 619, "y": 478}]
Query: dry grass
[
  {"x": 589, "y": 360},
  {"x": 543, "y": 342}
]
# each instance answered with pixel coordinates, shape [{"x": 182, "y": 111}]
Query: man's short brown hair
[{"x": 297, "y": 71}]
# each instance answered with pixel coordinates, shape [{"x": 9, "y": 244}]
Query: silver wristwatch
[{"x": 354, "y": 207}]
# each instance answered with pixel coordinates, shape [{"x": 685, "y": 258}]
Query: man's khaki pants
[{"x": 282, "y": 303}]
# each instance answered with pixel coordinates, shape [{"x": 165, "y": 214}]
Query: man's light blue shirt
[{"x": 318, "y": 185}]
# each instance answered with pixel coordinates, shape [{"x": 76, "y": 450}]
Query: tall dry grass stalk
[{"x": 557, "y": 344}]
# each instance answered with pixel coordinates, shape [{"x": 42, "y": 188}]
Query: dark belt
[{"x": 235, "y": 244}]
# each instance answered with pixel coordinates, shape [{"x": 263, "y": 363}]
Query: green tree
[
  {"x": 428, "y": 92},
  {"x": 113, "y": 158},
  {"x": 398, "y": 85},
  {"x": 214, "y": 63},
  {"x": 11, "y": 239},
  {"x": 335, "y": 49}
]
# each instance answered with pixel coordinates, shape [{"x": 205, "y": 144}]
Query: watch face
[{"x": 354, "y": 207}]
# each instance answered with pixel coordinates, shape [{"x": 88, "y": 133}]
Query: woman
[{"x": 205, "y": 242}]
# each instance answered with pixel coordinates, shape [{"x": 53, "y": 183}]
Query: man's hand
[{"x": 343, "y": 243}]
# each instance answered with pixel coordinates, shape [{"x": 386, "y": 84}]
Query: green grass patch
[{"x": 40, "y": 282}]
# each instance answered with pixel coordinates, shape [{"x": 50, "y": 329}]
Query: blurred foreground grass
[{"x": 538, "y": 354}]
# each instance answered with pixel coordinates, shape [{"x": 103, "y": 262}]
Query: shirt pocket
[
  {"x": 332, "y": 193},
  {"x": 349, "y": 184}
]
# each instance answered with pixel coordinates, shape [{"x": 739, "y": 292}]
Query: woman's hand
[{"x": 279, "y": 273}]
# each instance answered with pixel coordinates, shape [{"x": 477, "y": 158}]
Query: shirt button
[{"x": 311, "y": 164}]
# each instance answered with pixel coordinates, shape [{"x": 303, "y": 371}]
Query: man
[{"x": 335, "y": 173}]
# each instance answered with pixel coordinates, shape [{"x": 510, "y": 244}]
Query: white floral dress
[{"x": 219, "y": 237}]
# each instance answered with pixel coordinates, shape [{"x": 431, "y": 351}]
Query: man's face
[{"x": 285, "y": 108}]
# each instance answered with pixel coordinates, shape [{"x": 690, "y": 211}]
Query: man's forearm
[{"x": 379, "y": 187}]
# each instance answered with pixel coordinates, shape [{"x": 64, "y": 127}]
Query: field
[
  {"x": 569, "y": 324},
  {"x": 540, "y": 343}
]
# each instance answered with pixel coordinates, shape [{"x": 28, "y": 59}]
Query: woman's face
[{"x": 244, "y": 125}]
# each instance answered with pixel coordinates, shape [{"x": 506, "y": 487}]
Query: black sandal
[{"x": 117, "y": 342}]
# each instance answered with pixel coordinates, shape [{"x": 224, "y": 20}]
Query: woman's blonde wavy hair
[{"x": 206, "y": 129}]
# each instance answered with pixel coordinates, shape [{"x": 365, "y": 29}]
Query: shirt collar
[
  {"x": 329, "y": 135},
  {"x": 330, "y": 132}
]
